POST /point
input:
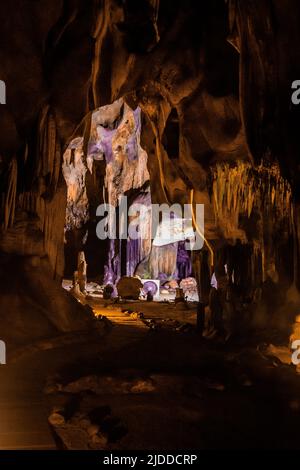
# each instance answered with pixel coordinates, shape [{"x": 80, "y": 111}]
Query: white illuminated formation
[
  {"x": 2, "y": 92},
  {"x": 172, "y": 231},
  {"x": 2, "y": 353}
]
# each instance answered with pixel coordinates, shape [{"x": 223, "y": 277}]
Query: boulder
[
  {"x": 188, "y": 284},
  {"x": 129, "y": 288}
]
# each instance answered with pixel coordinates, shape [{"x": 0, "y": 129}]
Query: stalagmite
[
  {"x": 10, "y": 200},
  {"x": 81, "y": 272}
]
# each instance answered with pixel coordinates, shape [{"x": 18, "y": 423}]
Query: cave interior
[{"x": 151, "y": 102}]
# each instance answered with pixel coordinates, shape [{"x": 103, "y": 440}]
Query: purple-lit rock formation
[{"x": 184, "y": 264}]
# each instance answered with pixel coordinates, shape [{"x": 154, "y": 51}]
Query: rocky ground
[{"x": 137, "y": 387}]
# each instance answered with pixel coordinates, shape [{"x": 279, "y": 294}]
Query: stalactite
[
  {"x": 47, "y": 199},
  {"x": 74, "y": 171},
  {"x": 101, "y": 25},
  {"x": 138, "y": 250},
  {"x": 126, "y": 167},
  {"x": 240, "y": 189},
  {"x": 49, "y": 150},
  {"x": 153, "y": 119},
  {"x": 10, "y": 199},
  {"x": 155, "y": 6},
  {"x": 163, "y": 260}
]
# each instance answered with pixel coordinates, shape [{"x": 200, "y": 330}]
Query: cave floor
[{"x": 157, "y": 389}]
